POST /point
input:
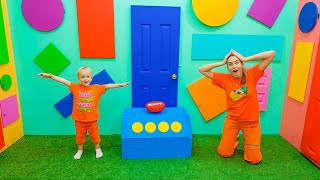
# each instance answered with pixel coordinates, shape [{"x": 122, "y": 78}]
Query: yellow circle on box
[
  {"x": 163, "y": 127},
  {"x": 137, "y": 127},
  {"x": 150, "y": 127},
  {"x": 215, "y": 12},
  {"x": 176, "y": 126}
]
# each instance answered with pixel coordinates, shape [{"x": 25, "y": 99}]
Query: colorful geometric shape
[
  {"x": 300, "y": 70},
  {"x": 308, "y": 17},
  {"x": 263, "y": 87},
  {"x": 176, "y": 127},
  {"x": 216, "y": 46},
  {"x": 156, "y": 144},
  {"x": 137, "y": 127},
  {"x": 5, "y": 82},
  {"x": 96, "y": 28},
  {"x": 310, "y": 144},
  {"x": 51, "y": 60},
  {"x": 215, "y": 13},
  {"x": 4, "y": 56},
  {"x": 2, "y": 142},
  {"x": 155, "y": 37},
  {"x": 43, "y": 15},
  {"x": 9, "y": 110},
  {"x": 210, "y": 100},
  {"x": 266, "y": 11},
  {"x": 64, "y": 106},
  {"x": 294, "y": 112},
  {"x": 150, "y": 127},
  {"x": 102, "y": 78},
  {"x": 14, "y": 131},
  {"x": 163, "y": 127}
]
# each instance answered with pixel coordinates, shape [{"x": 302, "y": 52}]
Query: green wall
[{"x": 39, "y": 95}]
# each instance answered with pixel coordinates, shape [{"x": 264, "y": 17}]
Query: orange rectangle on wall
[
  {"x": 210, "y": 100},
  {"x": 96, "y": 28}
]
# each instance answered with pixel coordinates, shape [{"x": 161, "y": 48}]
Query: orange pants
[
  {"x": 81, "y": 131},
  {"x": 252, "y": 137}
]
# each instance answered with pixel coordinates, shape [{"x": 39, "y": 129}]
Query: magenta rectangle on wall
[
  {"x": 266, "y": 11},
  {"x": 9, "y": 110}
]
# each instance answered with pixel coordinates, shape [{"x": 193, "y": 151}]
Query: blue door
[{"x": 155, "y": 35}]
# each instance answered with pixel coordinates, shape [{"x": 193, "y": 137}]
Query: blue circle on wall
[{"x": 308, "y": 17}]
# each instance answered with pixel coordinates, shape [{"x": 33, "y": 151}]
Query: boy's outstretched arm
[
  {"x": 117, "y": 85},
  {"x": 56, "y": 78}
]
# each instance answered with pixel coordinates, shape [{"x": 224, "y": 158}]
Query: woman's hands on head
[
  {"x": 238, "y": 55},
  {"x": 233, "y": 53},
  {"x": 224, "y": 61}
]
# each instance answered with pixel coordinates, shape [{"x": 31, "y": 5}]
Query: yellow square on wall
[{"x": 300, "y": 70}]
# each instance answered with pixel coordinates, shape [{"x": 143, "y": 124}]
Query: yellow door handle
[{"x": 174, "y": 76}]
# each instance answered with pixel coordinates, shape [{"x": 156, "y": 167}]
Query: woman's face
[{"x": 235, "y": 66}]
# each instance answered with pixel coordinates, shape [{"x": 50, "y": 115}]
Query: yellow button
[
  {"x": 163, "y": 126},
  {"x": 176, "y": 126},
  {"x": 150, "y": 127},
  {"x": 215, "y": 12},
  {"x": 137, "y": 127}
]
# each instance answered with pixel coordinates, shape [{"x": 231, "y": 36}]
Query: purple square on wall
[{"x": 266, "y": 11}]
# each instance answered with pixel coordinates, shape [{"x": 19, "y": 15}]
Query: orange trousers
[
  {"x": 81, "y": 131},
  {"x": 252, "y": 137}
]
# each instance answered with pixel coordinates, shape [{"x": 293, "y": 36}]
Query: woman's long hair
[{"x": 244, "y": 78}]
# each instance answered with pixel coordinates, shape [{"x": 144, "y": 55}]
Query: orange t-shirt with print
[
  {"x": 242, "y": 100},
  {"x": 86, "y": 101}
]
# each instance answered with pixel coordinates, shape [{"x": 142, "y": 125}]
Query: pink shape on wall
[
  {"x": 9, "y": 110},
  {"x": 263, "y": 87},
  {"x": 266, "y": 11},
  {"x": 43, "y": 15}
]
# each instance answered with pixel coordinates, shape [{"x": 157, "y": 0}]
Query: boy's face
[{"x": 85, "y": 77}]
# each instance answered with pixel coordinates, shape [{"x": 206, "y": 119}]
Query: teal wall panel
[
  {"x": 216, "y": 46},
  {"x": 38, "y": 95}
]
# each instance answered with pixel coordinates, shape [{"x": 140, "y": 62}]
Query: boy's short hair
[{"x": 84, "y": 68}]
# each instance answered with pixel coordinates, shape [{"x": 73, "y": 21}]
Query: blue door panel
[{"x": 155, "y": 33}]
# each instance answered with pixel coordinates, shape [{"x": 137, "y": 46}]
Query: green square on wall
[
  {"x": 4, "y": 57},
  {"x": 51, "y": 60}
]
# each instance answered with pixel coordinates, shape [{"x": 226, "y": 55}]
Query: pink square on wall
[
  {"x": 266, "y": 11},
  {"x": 9, "y": 111}
]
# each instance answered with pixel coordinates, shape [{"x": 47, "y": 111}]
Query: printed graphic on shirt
[
  {"x": 237, "y": 94},
  {"x": 85, "y": 101}
]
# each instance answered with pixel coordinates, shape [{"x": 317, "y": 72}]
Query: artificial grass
[{"x": 51, "y": 157}]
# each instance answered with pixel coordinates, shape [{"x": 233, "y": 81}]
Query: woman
[{"x": 242, "y": 102}]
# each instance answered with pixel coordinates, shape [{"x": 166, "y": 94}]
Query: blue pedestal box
[{"x": 165, "y": 134}]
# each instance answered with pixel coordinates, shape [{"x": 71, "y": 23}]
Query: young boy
[{"x": 85, "y": 111}]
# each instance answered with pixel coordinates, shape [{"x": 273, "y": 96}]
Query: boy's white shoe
[
  {"x": 99, "y": 153},
  {"x": 78, "y": 154}
]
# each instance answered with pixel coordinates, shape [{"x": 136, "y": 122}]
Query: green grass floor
[{"x": 51, "y": 157}]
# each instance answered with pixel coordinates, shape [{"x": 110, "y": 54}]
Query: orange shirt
[
  {"x": 86, "y": 101},
  {"x": 242, "y": 100}
]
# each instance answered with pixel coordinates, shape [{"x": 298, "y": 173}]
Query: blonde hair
[{"x": 84, "y": 68}]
